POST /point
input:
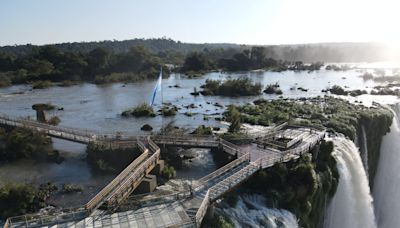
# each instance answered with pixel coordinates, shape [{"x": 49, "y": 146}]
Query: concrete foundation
[
  {"x": 210, "y": 211},
  {"x": 40, "y": 116},
  {"x": 148, "y": 185},
  {"x": 158, "y": 168}
]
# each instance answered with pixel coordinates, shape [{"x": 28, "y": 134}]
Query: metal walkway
[{"x": 181, "y": 210}]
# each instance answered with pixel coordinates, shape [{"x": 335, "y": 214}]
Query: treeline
[
  {"x": 325, "y": 52},
  {"x": 248, "y": 59},
  {"x": 48, "y": 63},
  {"x": 114, "y": 61}
]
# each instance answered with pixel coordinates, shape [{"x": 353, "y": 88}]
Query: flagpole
[{"x": 162, "y": 102}]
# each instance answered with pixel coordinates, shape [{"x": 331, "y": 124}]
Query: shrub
[
  {"x": 140, "y": 111},
  {"x": 17, "y": 199},
  {"x": 169, "y": 111},
  {"x": 54, "y": 120},
  {"x": 4, "y": 82},
  {"x": 42, "y": 84},
  {"x": 203, "y": 130},
  {"x": 71, "y": 188},
  {"x": 242, "y": 86},
  {"x": 338, "y": 90},
  {"x": 42, "y": 106},
  {"x": 25, "y": 143},
  {"x": 168, "y": 172}
]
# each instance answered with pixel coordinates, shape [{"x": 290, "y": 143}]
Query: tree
[
  {"x": 258, "y": 57},
  {"x": 6, "y": 62},
  {"x": 235, "y": 119},
  {"x": 98, "y": 59},
  {"x": 196, "y": 61}
]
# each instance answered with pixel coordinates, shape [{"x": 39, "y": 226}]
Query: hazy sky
[{"x": 233, "y": 21}]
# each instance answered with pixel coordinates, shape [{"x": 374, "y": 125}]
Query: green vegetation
[
  {"x": 42, "y": 84},
  {"x": 217, "y": 221},
  {"x": 119, "y": 77},
  {"x": 41, "y": 106},
  {"x": 17, "y": 143},
  {"x": 54, "y": 120},
  {"x": 242, "y": 86},
  {"x": 139, "y": 111},
  {"x": 71, "y": 188},
  {"x": 4, "y": 82},
  {"x": 67, "y": 83},
  {"x": 168, "y": 172},
  {"x": 335, "y": 114},
  {"x": 385, "y": 91},
  {"x": 338, "y": 90},
  {"x": 273, "y": 89},
  {"x": 103, "y": 158},
  {"x": 300, "y": 66},
  {"x": 196, "y": 62},
  {"x": 303, "y": 186},
  {"x": 234, "y": 117},
  {"x": 169, "y": 110},
  {"x": 18, "y": 199},
  {"x": 47, "y": 64},
  {"x": 203, "y": 130},
  {"x": 337, "y": 68}
]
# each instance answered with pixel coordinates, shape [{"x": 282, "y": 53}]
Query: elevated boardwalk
[{"x": 185, "y": 209}]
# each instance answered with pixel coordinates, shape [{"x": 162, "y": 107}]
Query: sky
[{"x": 200, "y": 21}]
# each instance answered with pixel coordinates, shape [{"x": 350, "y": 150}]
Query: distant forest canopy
[
  {"x": 174, "y": 51},
  {"x": 68, "y": 64}
]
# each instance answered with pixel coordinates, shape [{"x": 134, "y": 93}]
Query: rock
[
  {"x": 218, "y": 105},
  {"x": 146, "y": 127}
]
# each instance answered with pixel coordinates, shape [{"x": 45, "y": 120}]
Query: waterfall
[
  {"x": 387, "y": 179},
  {"x": 250, "y": 211},
  {"x": 351, "y": 207},
  {"x": 364, "y": 149}
]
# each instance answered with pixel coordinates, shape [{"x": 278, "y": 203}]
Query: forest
[{"x": 138, "y": 59}]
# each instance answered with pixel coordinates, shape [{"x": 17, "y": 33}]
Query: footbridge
[{"x": 114, "y": 207}]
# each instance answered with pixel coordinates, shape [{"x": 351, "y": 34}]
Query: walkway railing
[
  {"x": 40, "y": 220},
  {"x": 223, "y": 169},
  {"x": 123, "y": 190},
  {"x": 96, "y": 201},
  {"x": 203, "y": 141},
  {"x": 230, "y": 148},
  {"x": 202, "y": 209},
  {"x": 64, "y": 132}
]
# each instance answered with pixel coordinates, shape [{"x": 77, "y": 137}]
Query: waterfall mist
[
  {"x": 351, "y": 207},
  {"x": 250, "y": 211},
  {"x": 387, "y": 179}
]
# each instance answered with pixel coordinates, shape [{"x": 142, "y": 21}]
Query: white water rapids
[
  {"x": 250, "y": 211},
  {"x": 387, "y": 179},
  {"x": 351, "y": 207}
]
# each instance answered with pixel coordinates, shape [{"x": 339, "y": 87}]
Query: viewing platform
[{"x": 114, "y": 207}]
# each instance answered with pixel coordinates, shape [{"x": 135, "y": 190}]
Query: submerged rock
[{"x": 146, "y": 127}]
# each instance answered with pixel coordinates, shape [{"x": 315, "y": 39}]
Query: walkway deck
[{"x": 184, "y": 209}]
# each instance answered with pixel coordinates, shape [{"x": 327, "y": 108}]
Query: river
[{"x": 98, "y": 108}]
